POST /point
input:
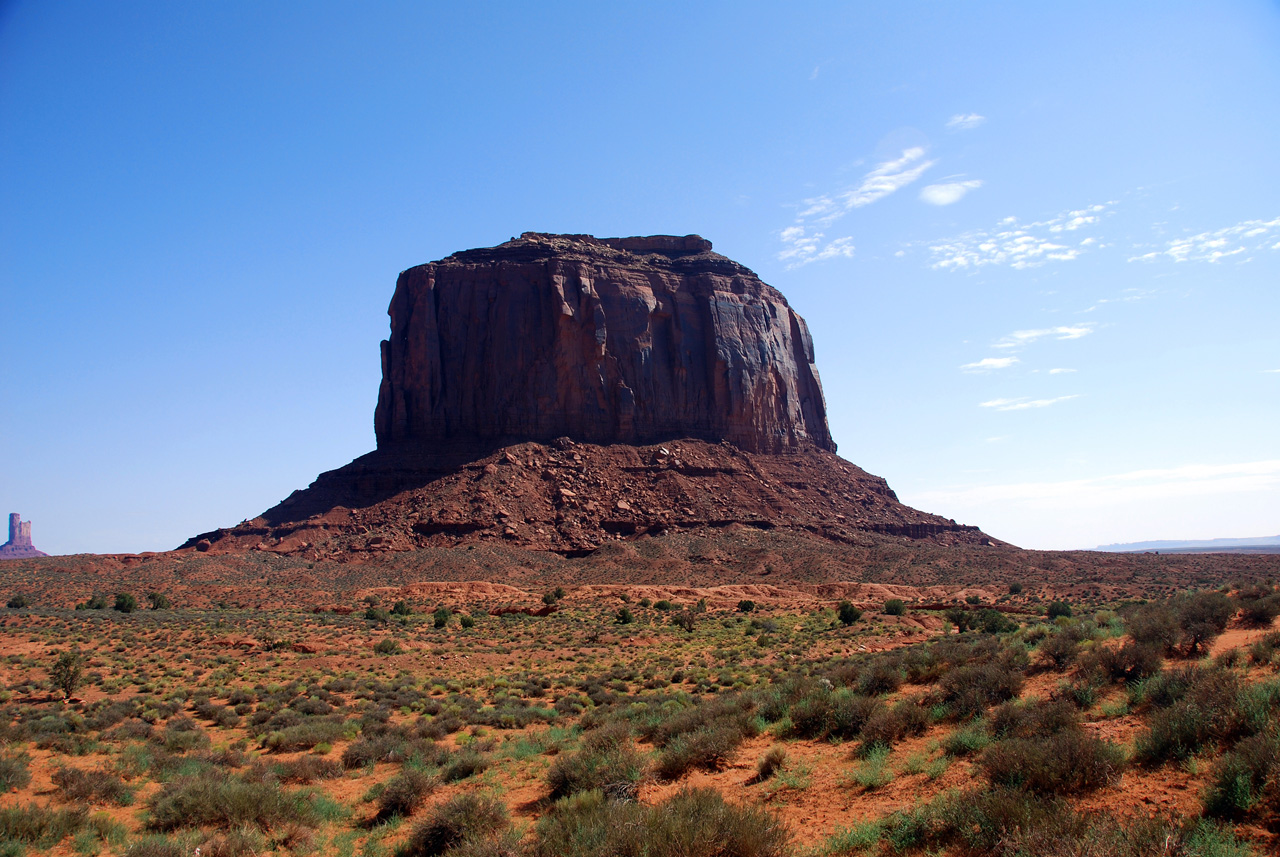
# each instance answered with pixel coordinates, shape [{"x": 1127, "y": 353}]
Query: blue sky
[{"x": 1037, "y": 244}]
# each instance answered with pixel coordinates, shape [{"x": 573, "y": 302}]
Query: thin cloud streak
[
  {"x": 1024, "y": 404},
  {"x": 965, "y": 121},
  {"x": 1020, "y": 245},
  {"x": 1213, "y": 247},
  {"x": 988, "y": 363},
  {"x": 1019, "y": 338}
]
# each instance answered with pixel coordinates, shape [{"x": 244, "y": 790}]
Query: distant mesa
[
  {"x": 19, "y": 545},
  {"x": 559, "y": 391}
]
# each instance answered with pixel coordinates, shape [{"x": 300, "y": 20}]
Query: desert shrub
[
  {"x": 95, "y": 602},
  {"x": 691, "y": 823},
  {"x": 1065, "y": 762},
  {"x": 463, "y": 764},
  {"x": 79, "y": 786},
  {"x": 1033, "y": 719},
  {"x": 887, "y": 726},
  {"x": 966, "y": 741},
  {"x": 221, "y": 801},
  {"x": 1058, "y": 651},
  {"x": 770, "y": 763},
  {"x": 401, "y": 608},
  {"x": 684, "y": 619},
  {"x": 466, "y": 621},
  {"x": 1247, "y": 780},
  {"x": 1058, "y": 610},
  {"x": 378, "y": 615},
  {"x": 847, "y": 613},
  {"x": 1155, "y": 623},
  {"x": 159, "y": 601},
  {"x": 880, "y": 676},
  {"x": 14, "y": 771},
  {"x": 304, "y": 735},
  {"x": 823, "y": 713},
  {"x": 1259, "y": 606},
  {"x": 404, "y": 793},
  {"x": 453, "y": 823},
  {"x": 39, "y": 825},
  {"x": 895, "y": 607},
  {"x": 67, "y": 672},
  {"x": 663, "y": 604},
  {"x": 746, "y": 605},
  {"x": 969, "y": 690},
  {"x": 1129, "y": 662},
  {"x": 708, "y": 748},
  {"x": 389, "y": 747},
  {"x": 302, "y": 770},
  {"x": 607, "y": 761},
  {"x": 441, "y": 616},
  {"x": 17, "y": 602},
  {"x": 991, "y": 621},
  {"x": 1202, "y": 616},
  {"x": 387, "y": 646},
  {"x": 1015, "y": 588},
  {"x": 623, "y": 616},
  {"x": 125, "y": 603}
]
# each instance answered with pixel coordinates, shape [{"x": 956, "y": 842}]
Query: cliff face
[
  {"x": 19, "y": 545},
  {"x": 626, "y": 340}
]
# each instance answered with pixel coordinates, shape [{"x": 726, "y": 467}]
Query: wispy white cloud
[
  {"x": 1060, "y": 371},
  {"x": 965, "y": 121},
  {"x": 1191, "y": 480},
  {"x": 886, "y": 178},
  {"x": 801, "y": 244},
  {"x": 948, "y": 192},
  {"x": 986, "y": 364},
  {"x": 1232, "y": 241},
  {"x": 801, "y": 247},
  {"x": 1019, "y": 338},
  {"x": 1023, "y": 404},
  {"x": 1020, "y": 245},
  {"x": 1272, "y": 371}
]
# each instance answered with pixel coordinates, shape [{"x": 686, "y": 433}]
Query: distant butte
[
  {"x": 19, "y": 544},
  {"x": 559, "y": 391}
]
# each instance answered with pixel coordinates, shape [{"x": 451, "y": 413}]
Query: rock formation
[
  {"x": 19, "y": 545},
  {"x": 558, "y": 391},
  {"x": 615, "y": 340}
]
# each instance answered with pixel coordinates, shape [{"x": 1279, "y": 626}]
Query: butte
[{"x": 560, "y": 392}]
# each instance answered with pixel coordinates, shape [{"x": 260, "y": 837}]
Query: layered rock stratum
[
  {"x": 607, "y": 341},
  {"x": 560, "y": 391}
]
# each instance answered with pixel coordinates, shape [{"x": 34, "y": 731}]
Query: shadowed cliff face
[{"x": 629, "y": 340}]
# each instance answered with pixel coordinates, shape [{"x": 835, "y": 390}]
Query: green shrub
[
  {"x": 1247, "y": 780},
  {"x": 1015, "y": 588},
  {"x": 463, "y": 764},
  {"x": 387, "y": 646},
  {"x": 67, "y": 672},
  {"x": 746, "y": 605},
  {"x": 1059, "y": 650},
  {"x": 440, "y": 618},
  {"x": 466, "y": 621},
  {"x": 305, "y": 735},
  {"x": 663, "y": 604},
  {"x": 1202, "y": 616},
  {"x": 95, "y": 602},
  {"x": 40, "y": 825},
  {"x": 159, "y": 601},
  {"x": 17, "y": 602},
  {"x": 401, "y": 608},
  {"x": 14, "y": 771},
  {"x": 125, "y": 603},
  {"x": 847, "y": 613},
  {"x": 212, "y": 800},
  {"x": 707, "y": 748},
  {"x": 970, "y": 689},
  {"x": 1058, "y": 610},
  {"x": 623, "y": 616},
  {"x": 608, "y": 761},
  {"x": 464, "y": 818},
  {"x": 895, "y": 607},
  {"x": 1063, "y": 763},
  {"x": 966, "y": 741},
  {"x": 78, "y": 786},
  {"x": 404, "y": 793},
  {"x": 690, "y": 823}
]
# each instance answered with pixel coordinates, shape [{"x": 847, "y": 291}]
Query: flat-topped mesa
[{"x": 613, "y": 340}]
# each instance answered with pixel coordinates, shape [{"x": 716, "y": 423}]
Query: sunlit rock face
[{"x": 614, "y": 340}]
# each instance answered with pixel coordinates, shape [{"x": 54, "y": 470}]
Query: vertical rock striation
[
  {"x": 19, "y": 545},
  {"x": 615, "y": 340}
]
